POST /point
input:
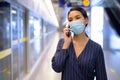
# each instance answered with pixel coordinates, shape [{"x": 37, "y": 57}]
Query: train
[{"x": 26, "y": 28}]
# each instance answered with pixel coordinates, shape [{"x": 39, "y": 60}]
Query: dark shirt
[{"x": 90, "y": 62}]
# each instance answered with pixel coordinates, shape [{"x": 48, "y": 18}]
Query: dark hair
[{"x": 80, "y": 10}]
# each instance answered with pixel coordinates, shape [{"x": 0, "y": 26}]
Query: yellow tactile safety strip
[
  {"x": 15, "y": 42},
  {"x": 5, "y": 53},
  {"x": 6, "y": 71},
  {"x": 24, "y": 39}
]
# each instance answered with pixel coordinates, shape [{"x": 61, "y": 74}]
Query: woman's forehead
[{"x": 74, "y": 13}]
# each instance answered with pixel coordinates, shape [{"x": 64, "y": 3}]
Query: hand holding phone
[
  {"x": 69, "y": 33},
  {"x": 67, "y": 37}
]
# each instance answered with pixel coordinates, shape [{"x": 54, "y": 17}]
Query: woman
[{"x": 78, "y": 57}]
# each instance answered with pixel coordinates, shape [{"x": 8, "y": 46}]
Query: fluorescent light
[
  {"x": 52, "y": 12},
  {"x": 14, "y": 11}
]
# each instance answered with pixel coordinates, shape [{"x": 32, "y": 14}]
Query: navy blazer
[{"x": 90, "y": 62}]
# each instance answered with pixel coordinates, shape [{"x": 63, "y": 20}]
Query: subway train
[{"x": 25, "y": 32}]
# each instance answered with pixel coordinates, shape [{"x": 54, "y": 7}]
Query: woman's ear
[{"x": 86, "y": 21}]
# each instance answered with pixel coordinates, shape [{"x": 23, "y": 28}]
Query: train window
[
  {"x": 21, "y": 24},
  {"x": 31, "y": 27},
  {"x": 14, "y": 24},
  {"x": 4, "y": 26},
  {"x": 36, "y": 28}
]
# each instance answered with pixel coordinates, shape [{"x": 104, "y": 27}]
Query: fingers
[{"x": 65, "y": 30}]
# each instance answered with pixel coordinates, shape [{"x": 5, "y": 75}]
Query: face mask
[{"x": 77, "y": 27}]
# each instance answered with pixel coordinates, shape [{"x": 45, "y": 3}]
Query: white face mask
[{"x": 77, "y": 27}]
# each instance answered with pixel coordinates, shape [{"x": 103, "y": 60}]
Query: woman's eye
[
  {"x": 70, "y": 20},
  {"x": 77, "y": 17}
]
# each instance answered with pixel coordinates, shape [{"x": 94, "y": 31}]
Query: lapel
[{"x": 73, "y": 60}]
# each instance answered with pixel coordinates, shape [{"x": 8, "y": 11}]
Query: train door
[
  {"x": 15, "y": 46},
  {"x": 34, "y": 42},
  {"x": 5, "y": 42},
  {"x": 22, "y": 44},
  {"x": 18, "y": 43}
]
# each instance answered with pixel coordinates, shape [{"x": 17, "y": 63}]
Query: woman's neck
[{"x": 80, "y": 38}]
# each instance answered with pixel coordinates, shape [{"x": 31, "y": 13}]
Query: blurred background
[{"x": 31, "y": 29}]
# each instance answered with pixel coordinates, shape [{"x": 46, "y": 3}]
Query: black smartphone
[{"x": 69, "y": 33}]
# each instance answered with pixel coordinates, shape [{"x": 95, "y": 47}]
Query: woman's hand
[{"x": 67, "y": 40}]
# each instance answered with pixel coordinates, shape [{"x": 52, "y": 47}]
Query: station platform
[
  {"x": 29, "y": 37},
  {"x": 43, "y": 69}
]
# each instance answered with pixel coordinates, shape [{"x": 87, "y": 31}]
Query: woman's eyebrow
[
  {"x": 78, "y": 16},
  {"x": 69, "y": 18},
  {"x": 74, "y": 16}
]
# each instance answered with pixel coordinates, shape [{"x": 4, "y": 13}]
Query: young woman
[{"x": 78, "y": 57}]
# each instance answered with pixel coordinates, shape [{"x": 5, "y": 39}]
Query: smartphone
[{"x": 69, "y": 33}]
